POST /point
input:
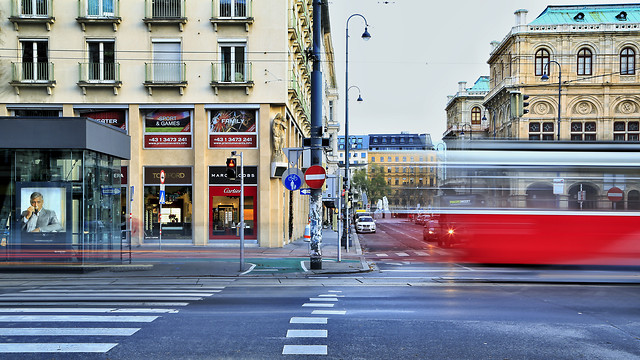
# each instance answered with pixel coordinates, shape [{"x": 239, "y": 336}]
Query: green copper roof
[
  {"x": 589, "y": 14},
  {"x": 482, "y": 84}
]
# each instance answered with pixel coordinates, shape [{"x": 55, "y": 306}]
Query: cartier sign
[
  {"x": 174, "y": 175},
  {"x": 217, "y": 176}
]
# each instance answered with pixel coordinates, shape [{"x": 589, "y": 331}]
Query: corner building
[{"x": 189, "y": 82}]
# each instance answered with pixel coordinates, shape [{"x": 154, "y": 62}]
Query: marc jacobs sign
[{"x": 217, "y": 176}]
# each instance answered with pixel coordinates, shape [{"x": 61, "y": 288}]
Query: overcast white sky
[{"x": 419, "y": 51}]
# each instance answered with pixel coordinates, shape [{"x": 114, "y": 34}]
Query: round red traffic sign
[
  {"x": 161, "y": 176},
  {"x": 315, "y": 176},
  {"x": 615, "y": 194}
]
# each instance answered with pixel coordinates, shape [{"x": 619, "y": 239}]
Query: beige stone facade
[
  {"x": 189, "y": 81},
  {"x": 598, "y": 97}
]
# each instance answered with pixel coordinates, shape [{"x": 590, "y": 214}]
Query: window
[
  {"x": 476, "y": 114},
  {"x": 397, "y": 158},
  {"x": 404, "y": 159},
  {"x": 101, "y": 60},
  {"x": 363, "y": 155},
  {"x": 389, "y": 159},
  {"x": 373, "y": 159},
  {"x": 542, "y": 62},
  {"x": 34, "y": 7},
  {"x": 233, "y": 8},
  {"x": 541, "y": 130},
  {"x": 100, "y": 8},
  {"x": 583, "y": 131},
  {"x": 397, "y": 169},
  {"x": 389, "y": 170},
  {"x": 626, "y": 131},
  {"x": 397, "y": 182},
  {"x": 585, "y": 58},
  {"x": 35, "y": 60},
  {"x": 166, "y": 61},
  {"x": 381, "y": 158},
  {"x": 166, "y": 8},
  {"x": 331, "y": 107},
  {"x": 627, "y": 61},
  {"x": 232, "y": 60}
]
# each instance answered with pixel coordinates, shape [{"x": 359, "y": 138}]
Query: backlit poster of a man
[{"x": 43, "y": 209}]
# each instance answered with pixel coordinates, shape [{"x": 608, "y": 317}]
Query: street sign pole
[
  {"x": 315, "y": 200},
  {"x": 241, "y": 212},
  {"x": 160, "y": 202}
]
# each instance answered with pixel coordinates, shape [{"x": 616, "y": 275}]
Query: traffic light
[
  {"x": 518, "y": 104},
  {"x": 231, "y": 169},
  {"x": 524, "y": 104}
]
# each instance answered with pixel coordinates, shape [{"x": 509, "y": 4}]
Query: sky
[{"x": 418, "y": 52}]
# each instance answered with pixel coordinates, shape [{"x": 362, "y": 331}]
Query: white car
[{"x": 365, "y": 224}]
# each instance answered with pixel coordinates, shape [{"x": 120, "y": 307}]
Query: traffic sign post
[
  {"x": 315, "y": 176},
  {"x": 160, "y": 203}
]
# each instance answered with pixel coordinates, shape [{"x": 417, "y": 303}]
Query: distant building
[
  {"x": 359, "y": 147},
  {"x": 403, "y": 141},
  {"x": 466, "y": 115}
]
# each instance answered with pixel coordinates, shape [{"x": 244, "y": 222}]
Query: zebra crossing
[
  {"x": 54, "y": 314},
  {"x": 409, "y": 254}
]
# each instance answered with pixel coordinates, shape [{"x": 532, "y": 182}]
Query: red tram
[{"x": 541, "y": 203}]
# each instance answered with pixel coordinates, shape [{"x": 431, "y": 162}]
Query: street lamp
[
  {"x": 347, "y": 185},
  {"x": 545, "y": 77},
  {"x": 470, "y": 131}
]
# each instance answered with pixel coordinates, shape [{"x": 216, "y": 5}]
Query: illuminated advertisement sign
[
  {"x": 115, "y": 118},
  {"x": 165, "y": 129},
  {"x": 230, "y": 128}
]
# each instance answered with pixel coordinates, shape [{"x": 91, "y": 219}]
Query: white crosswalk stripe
[{"x": 46, "y": 312}]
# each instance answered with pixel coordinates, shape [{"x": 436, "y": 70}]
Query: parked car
[
  {"x": 365, "y": 224},
  {"x": 358, "y": 215},
  {"x": 422, "y": 219},
  {"x": 431, "y": 230}
]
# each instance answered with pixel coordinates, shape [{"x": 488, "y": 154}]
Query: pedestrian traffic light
[
  {"x": 518, "y": 104},
  {"x": 231, "y": 169}
]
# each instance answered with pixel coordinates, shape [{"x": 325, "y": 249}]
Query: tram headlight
[{"x": 450, "y": 232}]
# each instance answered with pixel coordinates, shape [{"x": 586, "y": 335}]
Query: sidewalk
[{"x": 198, "y": 261}]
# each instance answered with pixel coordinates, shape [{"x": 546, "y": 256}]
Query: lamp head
[
  {"x": 544, "y": 77},
  {"x": 365, "y": 35},
  {"x": 359, "y": 98},
  {"x": 484, "y": 117}
]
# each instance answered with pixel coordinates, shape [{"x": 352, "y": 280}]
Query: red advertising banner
[
  {"x": 115, "y": 118},
  {"x": 240, "y": 141},
  {"x": 167, "y": 141}
]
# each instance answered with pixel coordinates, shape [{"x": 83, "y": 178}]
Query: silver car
[{"x": 366, "y": 224}]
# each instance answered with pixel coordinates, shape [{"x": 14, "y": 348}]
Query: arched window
[
  {"x": 542, "y": 61},
  {"x": 476, "y": 114},
  {"x": 627, "y": 61},
  {"x": 585, "y": 58}
]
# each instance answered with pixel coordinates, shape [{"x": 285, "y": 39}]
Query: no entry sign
[
  {"x": 315, "y": 176},
  {"x": 615, "y": 194}
]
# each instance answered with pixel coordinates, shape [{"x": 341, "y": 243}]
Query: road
[{"x": 411, "y": 307}]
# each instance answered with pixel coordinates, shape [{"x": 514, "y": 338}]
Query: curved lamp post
[
  {"x": 545, "y": 77},
  {"x": 347, "y": 185}
]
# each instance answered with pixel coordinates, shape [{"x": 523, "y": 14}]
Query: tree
[{"x": 374, "y": 185}]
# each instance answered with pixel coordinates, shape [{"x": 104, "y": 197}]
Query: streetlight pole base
[{"x": 315, "y": 262}]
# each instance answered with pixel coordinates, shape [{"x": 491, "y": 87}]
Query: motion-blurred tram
[{"x": 540, "y": 203}]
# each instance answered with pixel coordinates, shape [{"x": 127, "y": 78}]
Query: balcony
[
  {"x": 32, "y": 12},
  {"x": 297, "y": 96},
  {"x": 99, "y": 75},
  {"x": 165, "y": 75},
  {"x": 231, "y": 75},
  {"x": 165, "y": 12},
  {"x": 96, "y": 12},
  {"x": 232, "y": 12},
  {"x": 30, "y": 74}
]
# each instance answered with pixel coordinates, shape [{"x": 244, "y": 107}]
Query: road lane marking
[
  {"x": 96, "y": 303},
  {"x": 85, "y": 310},
  {"x": 68, "y": 331},
  {"x": 402, "y": 254},
  {"x": 57, "y": 348},
  {"x": 75, "y": 318},
  {"x": 304, "y": 350},
  {"x": 331, "y": 295},
  {"x": 322, "y": 299},
  {"x": 328, "y": 312},
  {"x": 308, "y": 320},
  {"x": 421, "y": 253},
  {"x": 335, "y": 291},
  {"x": 112, "y": 294},
  {"x": 382, "y": 255},
  {"x": 317, "y": 305},
  {"x": 307, "y": 333}
]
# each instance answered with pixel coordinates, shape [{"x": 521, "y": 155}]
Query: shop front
[
  {"x": 224, "y": 205},
  {"x": 174, "y": 217},
  {"x": 60, "y": 190}
]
